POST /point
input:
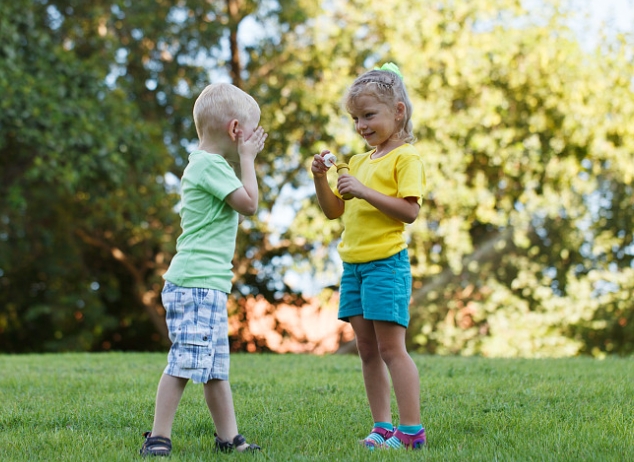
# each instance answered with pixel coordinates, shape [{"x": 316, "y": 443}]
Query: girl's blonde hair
[
  {"x": 388, "y": 88},
  {"x": 218, "y": 104}
]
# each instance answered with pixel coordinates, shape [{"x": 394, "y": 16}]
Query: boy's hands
[
  {"x": 251, "y": 146},
  {"x": 244, "y": 200},
  {"x": 318, "y": 167}
]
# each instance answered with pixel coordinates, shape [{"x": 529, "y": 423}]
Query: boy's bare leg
[
  {"x": 220, "y": 403},
  {"x": 169, "y": 393},
  {"x": 375, "y": 374}
]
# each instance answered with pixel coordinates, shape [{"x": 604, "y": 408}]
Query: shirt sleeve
[
  {"x": 411, "y": 176},
  {"x": 217, "y": 177}
]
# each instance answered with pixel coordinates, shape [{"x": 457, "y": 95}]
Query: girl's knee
[
  {"x": 390, "y": 353},
  {"x": 368, "y": 351}
]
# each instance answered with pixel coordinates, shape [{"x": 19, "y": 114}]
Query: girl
[{"x": 386, "y": 184}]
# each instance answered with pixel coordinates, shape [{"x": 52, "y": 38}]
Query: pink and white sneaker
[
  {"x": 377, "y": 437},
  {"x": 402, "y": 440}
]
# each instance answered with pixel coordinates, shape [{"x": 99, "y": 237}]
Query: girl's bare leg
[
  {"x": 375, "y": 374},
  {"x": 403, "y": 370}
]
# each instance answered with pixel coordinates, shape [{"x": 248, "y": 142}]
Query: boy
[{"x": 199, "y": 276}]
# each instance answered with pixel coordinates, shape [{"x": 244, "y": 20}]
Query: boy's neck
[{"x": 231, "y": 155}]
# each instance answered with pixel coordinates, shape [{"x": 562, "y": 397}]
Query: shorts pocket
[
  {"x": 194, "y": 336},
  {"x": 172, "y": 297},
  {"x": 385, "y": 266},
  {"x": 193, "y": 349}
]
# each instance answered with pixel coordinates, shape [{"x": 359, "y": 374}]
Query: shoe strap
[{"x": 384, "y": 432}]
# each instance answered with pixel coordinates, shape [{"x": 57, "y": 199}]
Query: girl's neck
[{"x": 386, "y": 148}]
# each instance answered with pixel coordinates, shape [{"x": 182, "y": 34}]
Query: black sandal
[
  {"x": 238, "y": 440},
  {"x": 155, "y": 445}
]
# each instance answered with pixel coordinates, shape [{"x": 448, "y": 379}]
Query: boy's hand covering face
[{"x": 252, "y": 145}]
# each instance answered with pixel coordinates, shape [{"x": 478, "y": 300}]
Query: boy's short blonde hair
[{"x": 218, "y": 104}]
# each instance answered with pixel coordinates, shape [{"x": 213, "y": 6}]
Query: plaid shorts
[{"x": 197, "y": 325}]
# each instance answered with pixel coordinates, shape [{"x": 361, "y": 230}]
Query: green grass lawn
[{"x": 86, "y": 407}]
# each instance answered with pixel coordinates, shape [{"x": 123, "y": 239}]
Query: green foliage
[
  {"x": 96, "y": 406},
  {"x": 523, "y": 245},
  {"x": 523, "y": 135},
  {"x": 524, "y": 242},
  {"x": 79, "y": 194}
]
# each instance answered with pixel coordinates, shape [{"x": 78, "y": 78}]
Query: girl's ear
[
  {"x": 400, "y": 110},
  {"x": 232, "y": 129}
]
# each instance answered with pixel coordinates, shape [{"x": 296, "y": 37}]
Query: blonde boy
[{"x": 218, "y": 185}]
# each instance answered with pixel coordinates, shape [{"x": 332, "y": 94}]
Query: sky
[{"x": 617, "y": 15}]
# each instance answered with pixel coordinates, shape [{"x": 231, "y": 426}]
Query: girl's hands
[
  {"x": 318, "y": 167},
  {"x": 347, "y": 184},
  {"x": 251, "y": 146}
]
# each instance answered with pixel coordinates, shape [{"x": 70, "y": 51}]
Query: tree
[
  {"x": 524, "y": 243},
  {"x": 84, "y": 210},
  {"x": 525, "y": 234},
  {"x": 100, "y": 143}
]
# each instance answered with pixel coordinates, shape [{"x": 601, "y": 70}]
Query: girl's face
[{"x": 375, "y": 121}]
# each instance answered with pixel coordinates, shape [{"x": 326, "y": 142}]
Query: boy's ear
[{"x": 232, "y": 129}]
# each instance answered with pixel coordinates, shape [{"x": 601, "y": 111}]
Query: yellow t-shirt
[{"x": 369, "y": 234}]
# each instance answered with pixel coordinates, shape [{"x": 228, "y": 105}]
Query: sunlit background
[{"x": 523, "y": 111}]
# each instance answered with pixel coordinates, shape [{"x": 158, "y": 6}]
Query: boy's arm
[
  {"x": 244, "y": 200},
  {"x": 331, "y": 205}
]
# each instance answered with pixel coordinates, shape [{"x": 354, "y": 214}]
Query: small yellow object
[{"x": 343, "y": 169}]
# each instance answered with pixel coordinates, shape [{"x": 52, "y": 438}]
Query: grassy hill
[{"x": 94, "y": 407}]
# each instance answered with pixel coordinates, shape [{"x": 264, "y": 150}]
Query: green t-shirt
[{"x": 204, "y": 250}]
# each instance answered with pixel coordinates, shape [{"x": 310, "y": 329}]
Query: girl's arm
[
  {"x": 402, "y": 209},
  {"x": 331, "y": 205}
]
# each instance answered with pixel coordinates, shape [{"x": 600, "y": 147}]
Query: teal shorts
[{"x": 378, "y": 290}]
